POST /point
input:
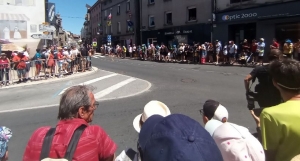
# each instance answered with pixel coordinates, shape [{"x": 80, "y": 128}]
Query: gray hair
[{"x": 72, "y": 99}]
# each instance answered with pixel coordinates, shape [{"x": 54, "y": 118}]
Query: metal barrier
[{"x": 36, "y": 70}]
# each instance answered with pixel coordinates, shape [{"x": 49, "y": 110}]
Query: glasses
[
  {"x": 96, "y": 104},
  {"x": 201, "y": 112}
]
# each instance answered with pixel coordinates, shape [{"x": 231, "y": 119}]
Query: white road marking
[
  {"x": 113, "y": 88},
  {"x": 90, "y": 81}
]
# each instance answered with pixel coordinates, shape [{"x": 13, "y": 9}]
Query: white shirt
[
  {"x": 130, "y": 49},
  {"x": 74, "y": 52},
  {"x": 225, "y": 51},
  {"x": 134, "y": 48},
  {"x": 232, "y": 49},
  {"x": 27, "y": 55}
]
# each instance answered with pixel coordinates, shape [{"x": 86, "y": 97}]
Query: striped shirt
[{"x": 94, "y": 144}]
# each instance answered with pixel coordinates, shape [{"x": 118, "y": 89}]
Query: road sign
[
  {"x": 41, "y": 36},
  {"x": 108, "y": 37},
  {"x": 47, "y": 28}
]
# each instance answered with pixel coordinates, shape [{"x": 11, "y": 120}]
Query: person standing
[
  {"x": 130, "y": 51},
  {"x": 28, "y": 63},
  {"x": 38, "y": 63},
  {"x": 261, "y": 50},
  {"x": 275, "y": 45},
  {"x": 288, "y": 49},
  {"x": 232, "y": 49},
  {"x": 20, "y": 64},
  {"x": 218, "y": 51},
  {"x": 4, "y": 69}
]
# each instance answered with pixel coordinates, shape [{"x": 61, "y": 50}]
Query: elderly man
[{"x": 76, "y": 111}]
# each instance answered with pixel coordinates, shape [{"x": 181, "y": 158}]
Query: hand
[{"x": 256, "y": 118}]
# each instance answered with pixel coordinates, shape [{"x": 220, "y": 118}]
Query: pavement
[{"x": 182, "y": 87}]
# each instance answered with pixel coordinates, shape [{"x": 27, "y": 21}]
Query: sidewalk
[{"x": 48, "y": 80}]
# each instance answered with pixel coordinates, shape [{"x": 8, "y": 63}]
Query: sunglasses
[{"x": 201, "y": 112}]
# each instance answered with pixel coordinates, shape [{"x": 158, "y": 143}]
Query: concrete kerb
[{"x": 50, "y": 80}]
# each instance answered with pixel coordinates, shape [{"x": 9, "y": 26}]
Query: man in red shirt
[
  {"x": 275, "y": 45},
  {"x": 20, "y": 64},
  {"x": 76, "y": 108}
]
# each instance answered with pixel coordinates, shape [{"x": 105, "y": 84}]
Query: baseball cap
[
  {"x": 5, "y": 136},
  {"x": 235, "y": 142},
  {"x": 152, "y": 108},
  {"x": 176, "y": 137},
  {"x": 214, "y": 110}
]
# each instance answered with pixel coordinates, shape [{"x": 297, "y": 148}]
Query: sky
[{"x": 72, "y": 13}]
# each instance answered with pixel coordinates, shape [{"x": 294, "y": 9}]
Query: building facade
[
  {"x": 119, "y": 21},
  {"x": 20, "y": 19},
  {"x": 248, "y": 19},
  {"x": 87, "y": 26},
  {"x": 175, "y": 21},
  {"x": 95, "y": 18}
]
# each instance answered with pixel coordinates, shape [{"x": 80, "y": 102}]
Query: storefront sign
[
  {"x": 238, "y": 16},
  {"x": 187, "y": 31},
  {"x": 169, "y": 33}
]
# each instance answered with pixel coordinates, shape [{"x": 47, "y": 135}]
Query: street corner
[{"x": 50, "y": 80}]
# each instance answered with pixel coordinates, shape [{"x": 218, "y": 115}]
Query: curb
[{"x": 94, "y": 70}]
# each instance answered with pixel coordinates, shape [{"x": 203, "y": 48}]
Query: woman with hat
[
  {"x": 287, "y": 49},
  {"x": 4, "y": 69}
]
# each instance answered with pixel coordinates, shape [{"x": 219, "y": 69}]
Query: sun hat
[
  {"x": 5, "y": 136},
  {"x": 214, "y": 110},
  {"x": 235, "y": 142},
  {"x": 176, "y": 137},
  {"x": 2, "y": 54},
  {"x": 152, "y": 108}
]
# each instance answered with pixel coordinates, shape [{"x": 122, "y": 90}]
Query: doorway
[{"x": 239, "y": 32}]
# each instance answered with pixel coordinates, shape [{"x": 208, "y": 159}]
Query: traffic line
[
  {"x": 113, "y": 88},
  {"x": 90, "y": 81}
]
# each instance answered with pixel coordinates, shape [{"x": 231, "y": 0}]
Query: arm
[{"x": 248, "y": 78}]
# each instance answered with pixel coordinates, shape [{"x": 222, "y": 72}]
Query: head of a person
[
  {"x": 275, "y": 54},
  {"x": 176, "y": 137},
  {"x": 151, "y": 108},
  {"x": 235, "y": 142},
  {"x": 3, "y": 56},
  {"x": 245, "y": 40},
  {"x": 217, "y": 41},
  {"x": 20, "y": 54},
  {"x": 38, "y": 50},
  {"x": 77, "y": 102},
  {"x": 5, "y": 136},
  {"x": 213, "y": 110},
  {"x": 286, "y": 76},
  {"x": 253, "y": 41},
  {"x": 261, "y": 39}
]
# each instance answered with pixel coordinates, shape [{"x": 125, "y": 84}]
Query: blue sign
[{"x": 108, "y": 38}]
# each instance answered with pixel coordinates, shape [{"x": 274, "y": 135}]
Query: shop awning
[{"x": 12, "y": 17}]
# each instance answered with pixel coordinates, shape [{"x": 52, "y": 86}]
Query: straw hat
[{"x": 151, "y": 108}]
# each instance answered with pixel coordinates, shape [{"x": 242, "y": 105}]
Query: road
[{"x": 183, "y": 87}]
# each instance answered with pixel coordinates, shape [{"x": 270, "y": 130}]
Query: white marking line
[
  {"x": 113, "y": 88},
  {"x": 90, "y": 82}
]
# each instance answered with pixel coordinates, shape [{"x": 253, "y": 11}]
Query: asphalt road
[{"x": 183, "y": 87}]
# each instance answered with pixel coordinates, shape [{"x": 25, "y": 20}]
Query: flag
[{"x": 109, "y": 16}]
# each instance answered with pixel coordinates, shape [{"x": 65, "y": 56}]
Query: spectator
[
  {"x": 4, "y": 69},
  {"x": 176, "y": 137},
  {"x": 20, "y": 64},
  {"x": 261, "y": 50},
  {"x": 288, "y": 49},
  {"x": 28, "y": 63},
  {"x": 235, "y": 142},
  {"x": 76, "y": 108},
  {"x": 279, "y": 128},
  {"x": 51, "y": 63},
  {"x": 5, "y": 136},
  {"x": 214, "y": 110},
  {"x": 275, "y": 45},
  {"x": 38, "y": 63},
  {"x": 151, "y": 108}
]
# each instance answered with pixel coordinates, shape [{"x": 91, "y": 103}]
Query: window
[
  {"x": 119, "y": 27},
  {"x": 151, "y": 21},
  {"x": 128, "y": 6},
  {"x": 192, "y": 14},
  {"x": 119, "y": 10},
  {"x": 151, "y": 1},
  {"x": 238, "y": 1},
  {"x": 111, "y": 29},
  {"x": 168, "y": 18},
  {"x": 105, "y": 13}
]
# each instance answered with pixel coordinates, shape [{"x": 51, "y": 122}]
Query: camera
[{"x": 250, "y": 96}]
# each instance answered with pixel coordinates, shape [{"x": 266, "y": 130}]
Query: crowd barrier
[{"x": 36, "y": 70}]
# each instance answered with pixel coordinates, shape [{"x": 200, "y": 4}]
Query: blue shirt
[{"x": 36, "y": 58}]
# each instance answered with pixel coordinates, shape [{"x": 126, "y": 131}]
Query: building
[
  {"x": 120, "y": 21},
  {"x": 20, "y": 19},
  {"x": 175, "y": 21},
  {"x": 87, "y": 38},
  {"x": 95, "y": 16},
  {"x": 248, "y": 19}
]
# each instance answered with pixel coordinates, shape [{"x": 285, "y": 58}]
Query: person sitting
[{"x": 76, "y": 109}]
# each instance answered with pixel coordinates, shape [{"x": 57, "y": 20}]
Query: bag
[{"x": 71, "y": 147}]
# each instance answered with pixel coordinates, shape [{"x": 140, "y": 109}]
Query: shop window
[
  {"x": 151, "y": 21},
  {"x": 287, "y": 31},
  {"x": 238, "y": 1},
  {"x": 192, "y": 14},
  {"x": 128, "y": 6},
  {"x": 168, "y": 18},
  {"x": 119, "y": 27},
  {"x": 151, "y": 1},
  {"x": 152, "y": 41},
  {"x": 119, "y": 10}
]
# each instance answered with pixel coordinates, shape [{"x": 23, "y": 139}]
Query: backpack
[{"x": 71, "y": 147}]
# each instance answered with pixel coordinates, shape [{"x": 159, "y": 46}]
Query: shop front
[
  {"x": 175, "y": 35},
  {"x": 280, "y": 21}
]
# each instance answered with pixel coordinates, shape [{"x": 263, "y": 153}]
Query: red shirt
[
  {"x": 276, "y": 45},
  {"x": 4, "y": 63},
  {"x": 94, "y": 144}
]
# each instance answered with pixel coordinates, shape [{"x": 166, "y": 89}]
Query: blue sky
[{"x": 72, "y": 13}]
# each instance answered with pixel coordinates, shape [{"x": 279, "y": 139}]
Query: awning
[{"x": 12, "y": 17}]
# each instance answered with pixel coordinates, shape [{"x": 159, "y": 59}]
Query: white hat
[
  {"x": 151, "y": 108},
  {"x": 235, "y": 142},
  {"x": 262, "y": 39}
]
